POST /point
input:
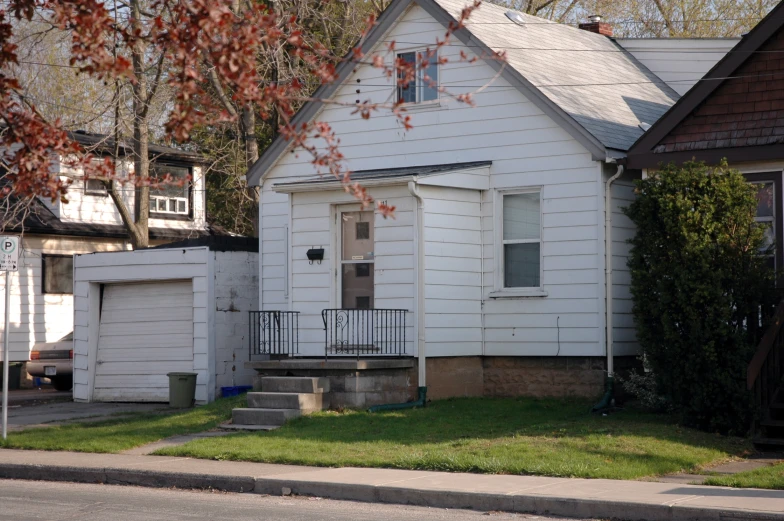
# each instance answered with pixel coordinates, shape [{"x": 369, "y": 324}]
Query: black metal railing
[
  {"x": 274, "y": 333},
  {"x": 364, "y": 332}
]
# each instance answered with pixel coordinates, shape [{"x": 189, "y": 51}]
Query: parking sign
[{"x": 9, "y": 253}]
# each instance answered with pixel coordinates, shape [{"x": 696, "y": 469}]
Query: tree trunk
[
  {"x": 140, "y": 236},
  {"x": 248, "y": 126}
]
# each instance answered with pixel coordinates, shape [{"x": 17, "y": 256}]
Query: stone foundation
[
  {"x": 363, "y": 383},
  {"x": 355, "y": 384}
]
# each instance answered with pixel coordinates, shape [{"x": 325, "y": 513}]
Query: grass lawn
[
  {"x": 116, "y": 435},
  {"x": 765, "y": 477},
  {"x": 514, "y": 436}
]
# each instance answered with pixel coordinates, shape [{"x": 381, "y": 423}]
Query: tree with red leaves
[{"x": 198, "y": 48}]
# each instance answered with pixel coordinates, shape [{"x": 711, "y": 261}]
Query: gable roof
[
  {"x": 590, "y": 77},
  {"x": 642, "y": 154},
  {"x": 599, "y": 97},
  {"x": 103, "y": 143}
]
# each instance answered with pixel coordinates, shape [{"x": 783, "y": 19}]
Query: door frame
[{"x": 336, "y": 297}]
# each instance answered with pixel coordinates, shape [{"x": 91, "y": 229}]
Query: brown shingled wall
[{"x": 747, "y": 110}]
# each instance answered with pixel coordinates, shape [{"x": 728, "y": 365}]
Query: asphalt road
[{"x": 28, "y": 500}]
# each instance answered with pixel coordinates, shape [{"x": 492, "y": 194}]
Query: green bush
[{"x": 696, "y": 277}]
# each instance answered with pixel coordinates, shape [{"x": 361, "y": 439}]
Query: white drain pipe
[
  {"x": 419, "y": 234},
  {"x": 608, "y": 267}
]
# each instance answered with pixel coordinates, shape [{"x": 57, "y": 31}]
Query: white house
[
  {"x": 42, "y": 289},
  {"x": 506, "y": 253}
]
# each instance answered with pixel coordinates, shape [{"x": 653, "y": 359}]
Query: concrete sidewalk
[{"x": 583, "y": 498}]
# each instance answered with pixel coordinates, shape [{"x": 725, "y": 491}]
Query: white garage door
[{"x": 146, "y": 331}]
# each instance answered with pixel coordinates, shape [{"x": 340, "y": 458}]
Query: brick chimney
[{"x": 595, "y": 25}]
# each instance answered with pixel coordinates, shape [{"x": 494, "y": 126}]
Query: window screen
[
  {"x": 521, "y": 240},
  {"x": 58, "y": 274}
]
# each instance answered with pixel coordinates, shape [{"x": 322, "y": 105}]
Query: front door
[{"x": 356, "y": 260}]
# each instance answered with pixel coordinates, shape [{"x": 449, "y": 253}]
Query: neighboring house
[
  {"x": 737, "y": 114},
  {"x": 497, "y": 251},
  {"x": 42, "y": 290}
]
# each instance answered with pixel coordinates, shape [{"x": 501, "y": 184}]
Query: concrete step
[
  {"x": 300, "y": 401},
  {"x": 294, "y": 384},
  {"x": 263, "y": 416}
]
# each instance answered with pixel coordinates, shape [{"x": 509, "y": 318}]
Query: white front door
[{"x": 145, "y": 332}]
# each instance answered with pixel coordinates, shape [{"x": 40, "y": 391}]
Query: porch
[{"x": 363, "y": 353}]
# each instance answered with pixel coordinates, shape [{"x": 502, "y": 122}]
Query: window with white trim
[
  {"x": 95, "y": 187},
  {"x": 522, "y": 239},
  {"x": 172, "y": 198},
  {"x": 424, "y": 86},
  {"x": 766, "y": 217}
]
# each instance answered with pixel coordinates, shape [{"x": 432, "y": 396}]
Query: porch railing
[
  {"x": 364, "y": 332},
  {"x": 274, "y": 333},
  {"x": 766, "y": 369}
]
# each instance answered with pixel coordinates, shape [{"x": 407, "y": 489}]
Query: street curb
[{"x": 530, "y": 504}]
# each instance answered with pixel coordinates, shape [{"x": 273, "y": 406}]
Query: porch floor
[{"x": 338, "y": 364}]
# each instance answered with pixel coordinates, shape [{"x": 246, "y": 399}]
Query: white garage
[{"x": 178, "y": 308}]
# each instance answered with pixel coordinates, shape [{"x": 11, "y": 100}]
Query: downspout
[
  {"x": 607, "y": 400},
  {"x": 419, "y": 242}
]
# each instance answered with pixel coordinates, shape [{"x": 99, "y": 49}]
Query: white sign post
[{"x": 9, "y": 261}]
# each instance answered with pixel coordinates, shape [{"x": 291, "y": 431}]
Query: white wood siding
[
  {"x": 453, "y": 274},
  {"x": 36, "y": 316},
  {"x": 527, "y": 149},
  {"x": 314, "y": 287},
  {"x": 623, "y": 229},
  {"x": 83, "y": 207},
  {"x": 146, "y": 332},
  {"x": 273, "y": 256},
  {"x": 680, "y": 62}
]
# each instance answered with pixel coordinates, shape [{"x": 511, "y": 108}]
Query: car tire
[{"x": 62, "y": 383}]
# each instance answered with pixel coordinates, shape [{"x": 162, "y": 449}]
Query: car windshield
[{"x": 68, "y": 337}]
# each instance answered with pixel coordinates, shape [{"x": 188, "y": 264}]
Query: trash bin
[
  {"x": 14, "y": 375},
  {"x": 182, "y": 390}
]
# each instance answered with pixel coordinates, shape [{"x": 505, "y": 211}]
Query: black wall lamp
[{"x": 315, "y": 254}]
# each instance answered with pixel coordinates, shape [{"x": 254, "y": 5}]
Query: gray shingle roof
[{"x": 607, "y": 91}]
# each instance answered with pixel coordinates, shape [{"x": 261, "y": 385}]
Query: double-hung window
[
  {"x": 424, "y": 85},
  {"x": 522, "y": 239}
]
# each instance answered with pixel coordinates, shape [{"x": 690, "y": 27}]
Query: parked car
[{"x": 54, "y": 360}]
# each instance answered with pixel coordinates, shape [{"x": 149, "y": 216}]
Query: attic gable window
[{"x": 424, "y": 86}]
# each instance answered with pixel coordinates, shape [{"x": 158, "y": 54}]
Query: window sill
[
  {"x": 518, "y": 293},
  {"x": 422, "y": 106},
  {"x": 170, "y": 216}
]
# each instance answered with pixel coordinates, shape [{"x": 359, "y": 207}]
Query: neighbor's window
[
  {"x": 171, "y": 198},
  {"x": 424, "y": 86},
  {"x": 95, "y": 187},
  {"x": 58, "y": 274},
  {"x": 766, "y": 216},
  {"x": 522, "y": 241}
]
